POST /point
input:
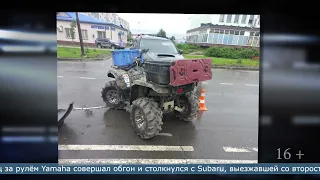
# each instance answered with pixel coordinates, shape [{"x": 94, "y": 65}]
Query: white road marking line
[
  {"x": 97, "y": 107},
  {"x": 226, "y": 84},
  {"x": 87, "y": 78},
  {"x": 165, "y": 134},
  {"x": 60, "y": 76},
  {"x": 154, "y": 161},
  {"x": 125, "y": 148},
  {"x": 234, "y": 149},
  {"x": 255, "y": 149},
  {"x": 252, "y": 85}
]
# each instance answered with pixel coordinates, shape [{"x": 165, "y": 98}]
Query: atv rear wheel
[
  {"x": 146, "y": 117},
  {"x": 111, "y": 96},
  {"x": 190, "y": 104}
]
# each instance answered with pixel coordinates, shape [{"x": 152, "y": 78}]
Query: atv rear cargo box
[{"x": 179, "y": 72}]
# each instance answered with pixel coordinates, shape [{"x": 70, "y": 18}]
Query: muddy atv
[{"x": 153, "y": 87}]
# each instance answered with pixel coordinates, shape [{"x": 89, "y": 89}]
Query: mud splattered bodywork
[
  {"x": 148, "y": 101},
  {"x": 164, "y": 83}
]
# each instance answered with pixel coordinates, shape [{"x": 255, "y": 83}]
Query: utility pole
[{"x": 80, "y": 34}]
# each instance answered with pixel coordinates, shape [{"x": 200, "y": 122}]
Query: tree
[
  {"x": 173, "y": 38},
  {"x": 162, "y": 33},
  {"x": 80, "y": 35},
  {"x": 73, "y": 33},
  {"x": 73, "y": 30},
  {"x": 129, "y": 37}
]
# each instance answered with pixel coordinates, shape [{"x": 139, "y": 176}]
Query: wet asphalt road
[{"x": 227, "y": 132}]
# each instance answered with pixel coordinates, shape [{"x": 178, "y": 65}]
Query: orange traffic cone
[{"x": 202, "y": 107}]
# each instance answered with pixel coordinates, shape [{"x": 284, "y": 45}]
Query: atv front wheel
[
  {"x": 146, "y": 117},
  {"x": 190, "y": 104},
  {"x": 111, "y": 96}
]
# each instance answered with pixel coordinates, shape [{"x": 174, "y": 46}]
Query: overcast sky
[{"x": 174, "y": 24}]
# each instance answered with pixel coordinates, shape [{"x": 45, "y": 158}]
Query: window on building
[
  {"x": 231, "y": 31},
  {"x": 250, "y": 41},
  {"x": 101, "y": 34},
  {"x": 236, "y": 32},
  {"x": 68, "y": 32},
  {"x": 250, "y": 19},
  {"x": 84, "y": 34},
  {"x": 216, "y": 31},
  {"x": 255, "y": 41},
  {"x": 221, "y": 19},
  {"x": 227, "y": 31},
  {"x": 244, "y": 19},
  {"x": 257, "y": 34},
  {"x": 252, "y": 33},
  {"x": 235, "y": 39},
  {"x": 236, "y": 19},
  {"x": 241, "y": 32},
  {"x": 229, "y": 17},
  {"x": 215, "y": 38},
  {"x": 220, "y": 39},
  {"x": 258, "y": 42},
  {"x": 221, "y": 31}
]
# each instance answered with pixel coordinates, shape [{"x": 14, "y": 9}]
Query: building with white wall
[
  {"x": 238, "y": 30},
  {"x": 109, "y": 17},
  {"x": 91, "y": 28}
]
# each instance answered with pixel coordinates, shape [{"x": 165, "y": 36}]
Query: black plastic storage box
[{"x": 158, "y": 72}]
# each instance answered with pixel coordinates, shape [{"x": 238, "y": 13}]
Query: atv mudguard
[
  {"x": 117, "y": 74},
  {"x": 63, "y": 114},
  {"x": 113, "y": 73}
]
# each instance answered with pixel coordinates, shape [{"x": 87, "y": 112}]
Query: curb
[
  {"x": 235, "y": 68},
  {"x": 79, "y": 59}
]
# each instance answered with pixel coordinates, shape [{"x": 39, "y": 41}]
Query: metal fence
[{"x": 227, "y": 37}]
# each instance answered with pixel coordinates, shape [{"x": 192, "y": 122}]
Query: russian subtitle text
[{"x": 162, "y": 169}]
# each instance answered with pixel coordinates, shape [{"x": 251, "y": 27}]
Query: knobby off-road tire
[
  {"x": 152, "y": 116},
  {"x": 192, "y": 107},
  {"x": 111, "y": 86}
]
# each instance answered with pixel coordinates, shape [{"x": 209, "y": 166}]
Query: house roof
[{"x": 86, "y": 19}]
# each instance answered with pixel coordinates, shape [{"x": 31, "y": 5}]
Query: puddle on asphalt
[{"x": 88, "y": 112}]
